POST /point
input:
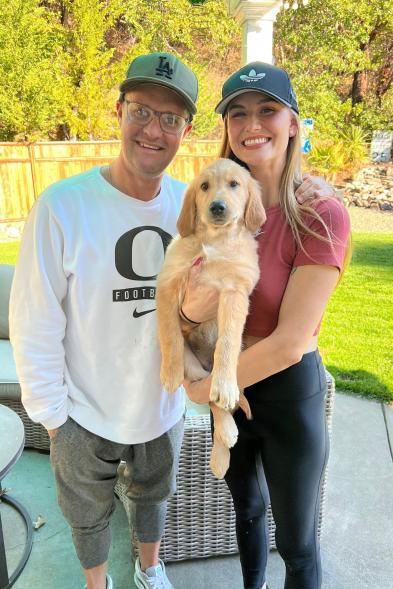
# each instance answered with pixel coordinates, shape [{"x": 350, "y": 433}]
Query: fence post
[{"x": 30, "y": 148}]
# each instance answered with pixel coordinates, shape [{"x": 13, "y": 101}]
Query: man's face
[{"x": 147, "y": 150}]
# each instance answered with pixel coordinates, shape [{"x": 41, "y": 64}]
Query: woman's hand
[
  {"x": 198, "y": 391},
  {"x": 314, "y": 187},
  {"x": 200, "y": 302}
]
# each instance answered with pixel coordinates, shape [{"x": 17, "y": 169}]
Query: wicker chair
[
  {"x": 35, "y": 434},
  {"x": 201, "y": 520}
]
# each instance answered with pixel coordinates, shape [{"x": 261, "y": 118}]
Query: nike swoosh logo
[{"x": 137, "y": 314}]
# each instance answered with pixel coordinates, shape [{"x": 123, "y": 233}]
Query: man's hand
[
  {"x": 314, "y": 187},
  {"x": 200, "y": 303},
  {"x": 52, "y": 432}
]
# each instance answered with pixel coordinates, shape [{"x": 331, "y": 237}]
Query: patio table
[{"x": 12, "y": 439}]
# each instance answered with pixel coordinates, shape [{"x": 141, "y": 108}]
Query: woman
[{"x": 281, "y": 454}]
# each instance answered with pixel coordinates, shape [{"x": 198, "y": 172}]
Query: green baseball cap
[
  {"x": 260, "y": 77},
  {"x": 166, "y": 70}
]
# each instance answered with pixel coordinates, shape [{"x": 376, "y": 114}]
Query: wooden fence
[{"x": 27, "y": 169}]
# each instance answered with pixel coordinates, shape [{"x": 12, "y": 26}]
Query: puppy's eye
[
  {"x": 233, "y": 183},
  {"x": 205, "y": 186}
]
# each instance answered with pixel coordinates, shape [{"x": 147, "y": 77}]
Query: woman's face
[{"x": 259, "y": 129}]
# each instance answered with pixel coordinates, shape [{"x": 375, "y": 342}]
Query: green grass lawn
[
  {"x": 8, "y": 252},
  {"x": 356, "y": 336}
]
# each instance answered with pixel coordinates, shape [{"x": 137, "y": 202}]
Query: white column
[{"x": 256, "y": 19}]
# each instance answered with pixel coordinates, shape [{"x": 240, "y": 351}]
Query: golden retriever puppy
[{"x": 222, "y": 209}]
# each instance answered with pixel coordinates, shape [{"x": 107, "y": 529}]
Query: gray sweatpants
[{"x": 85, "y": 467}]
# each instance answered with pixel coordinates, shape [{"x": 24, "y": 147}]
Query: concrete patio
[{"x": 357, "y": 540}]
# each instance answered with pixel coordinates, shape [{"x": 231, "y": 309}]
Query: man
[{"x": 83, "y": 326}]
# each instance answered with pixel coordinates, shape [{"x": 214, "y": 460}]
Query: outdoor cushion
[
  {"x": 8, "y": 370},
  {"x": 9, "y": 385},
  {"x": 36, "y": 435},
  {"x": 6, "y": 276}
]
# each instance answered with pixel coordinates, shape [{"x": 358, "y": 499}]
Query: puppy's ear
[
  {"x": 254, "y": 215},
  {"x": 187, "y": 218}
]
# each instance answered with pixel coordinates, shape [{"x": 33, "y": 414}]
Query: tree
[
  {"x": 92, "y": 72},
  {"x": 340, "y": 55},
  {"x": 31, "y": 88}
]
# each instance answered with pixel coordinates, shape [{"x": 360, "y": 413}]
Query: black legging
[{"x": 282, "y": 452}]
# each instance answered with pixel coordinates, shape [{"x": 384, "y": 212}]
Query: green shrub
[{"x": 343, "y": 155}]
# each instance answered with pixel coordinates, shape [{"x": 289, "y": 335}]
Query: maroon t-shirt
[{"x": 279, "y": 253}]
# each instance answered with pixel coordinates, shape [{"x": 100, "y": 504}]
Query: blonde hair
[{"x": 291, "y": 179}]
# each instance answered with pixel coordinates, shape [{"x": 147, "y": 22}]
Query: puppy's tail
[{"x": 245, "y": 406}]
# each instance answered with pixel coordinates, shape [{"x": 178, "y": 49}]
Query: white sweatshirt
[{"x": 82, "y": 310}]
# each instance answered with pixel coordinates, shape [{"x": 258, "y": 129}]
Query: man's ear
[
  {"x": 187, "y": 218},
  {"x": 119, "y": 110},
  {"x": 187, "y": 130}
]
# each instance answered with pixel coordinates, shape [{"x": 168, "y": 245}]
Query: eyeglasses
[{"x": 142, "y": 115}]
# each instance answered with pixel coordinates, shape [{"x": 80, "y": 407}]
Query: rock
[
  {"x": 372, "y": 187},
  {"x": 385, "y": 206}
]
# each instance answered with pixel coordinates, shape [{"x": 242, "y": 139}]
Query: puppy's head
[{"x": 224, "y": 194}]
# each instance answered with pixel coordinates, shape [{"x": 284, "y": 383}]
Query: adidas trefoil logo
[{"x": 252, "y": 77}]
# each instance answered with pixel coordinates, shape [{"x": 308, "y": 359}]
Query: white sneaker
[
  {"x": 152, "y": 578},
  {"x": 109, "y": 584}
]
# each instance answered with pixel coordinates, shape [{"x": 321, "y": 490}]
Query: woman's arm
[{"x": 306, "y": 296}]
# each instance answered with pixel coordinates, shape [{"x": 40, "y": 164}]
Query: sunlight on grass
[{"x": 356, "y": 335}]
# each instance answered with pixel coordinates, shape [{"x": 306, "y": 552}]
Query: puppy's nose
[{"x": 218, "y": 208}]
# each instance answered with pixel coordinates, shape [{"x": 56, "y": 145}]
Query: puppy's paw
[
  {"x": 171, "y": 378},
  {"x": 226, "y": 430},
  {"x": 219, "y": 459},
  {"x": 224, "y": 393}
]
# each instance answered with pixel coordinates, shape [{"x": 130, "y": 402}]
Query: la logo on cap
[
  {"x": 164, "y": 69},
  {"x": 252, "y": 77}
]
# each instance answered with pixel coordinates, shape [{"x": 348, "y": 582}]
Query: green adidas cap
[
  {"x": 166, "y": 70},
  {"x": 260, "y": 77}
]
